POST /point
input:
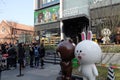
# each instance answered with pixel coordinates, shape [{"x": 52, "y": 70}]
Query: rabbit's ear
[
  {"x": 89, "y": 35},
  {"x": 83, "y": 36}
]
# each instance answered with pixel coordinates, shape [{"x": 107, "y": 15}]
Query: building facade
[
  {"x": 75, "y": 18},
  {"x": 105, "y": 14},
  {"x": 12, "y": 32},
  {"x": 46, "y": 20},
  {"x": 61, "y": 18},
  {"x": 68, "y": 18}
]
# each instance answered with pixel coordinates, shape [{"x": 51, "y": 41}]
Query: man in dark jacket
[
  {"x": 21, "y": 54},
  {"x": 31, "y": 53},
  {"x": 42, "y": 54},
  {"x": 12, "y": 55}
]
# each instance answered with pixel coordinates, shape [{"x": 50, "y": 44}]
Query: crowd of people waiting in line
[{"x": 24, "y": 54}]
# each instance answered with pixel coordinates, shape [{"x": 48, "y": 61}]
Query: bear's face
[{"x": 66, "y": 50}]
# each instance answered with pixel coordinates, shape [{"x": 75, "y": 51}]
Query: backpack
[{"x": 36, "y": 52}]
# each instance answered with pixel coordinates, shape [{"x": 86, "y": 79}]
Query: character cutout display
[
  {"x": 88, "y": 53},
  {"x": 66, "y": 51}
]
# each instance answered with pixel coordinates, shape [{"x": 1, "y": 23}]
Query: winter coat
[{"x": 42, "y": 52}]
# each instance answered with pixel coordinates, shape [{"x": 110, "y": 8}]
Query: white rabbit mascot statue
[{"x": 88, "y": 53}]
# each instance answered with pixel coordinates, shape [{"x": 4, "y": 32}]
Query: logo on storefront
[{"x": 71, "y": 12}]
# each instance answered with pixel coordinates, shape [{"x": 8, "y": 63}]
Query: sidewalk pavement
[{"x": 50, "y": 72}]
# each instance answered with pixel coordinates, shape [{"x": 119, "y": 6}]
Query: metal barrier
[
  {"x": 76, "y": 77},
  {"x": 52, "y": 58}
]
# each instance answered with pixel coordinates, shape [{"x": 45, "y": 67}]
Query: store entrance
[{"x": 73, "y": 27}]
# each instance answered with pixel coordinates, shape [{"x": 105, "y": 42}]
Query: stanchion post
[
  {"x": 54, "y": 58},
  {"x": 0, "y": 68},
  {"x": 0, "y": 72},
  {"x": 20, "y": 66}
]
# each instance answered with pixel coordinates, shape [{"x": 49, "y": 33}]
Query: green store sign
[{"x": 46, "y": 15}]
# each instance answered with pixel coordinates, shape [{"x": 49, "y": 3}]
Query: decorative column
[
  {"x": 61, "y": 23},
  {"x": 35, "y": 4},
  {"x": 61, "y": 31}
]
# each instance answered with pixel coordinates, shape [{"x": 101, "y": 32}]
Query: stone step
[
  {"x": 51, "y": 61},
  {"x": 52, "y": 58}
]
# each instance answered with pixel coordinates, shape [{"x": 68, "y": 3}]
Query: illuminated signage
[{"x": 46, "y": 15}]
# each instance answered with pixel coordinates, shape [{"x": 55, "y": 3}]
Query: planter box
[{"x": 110, "y": 48}]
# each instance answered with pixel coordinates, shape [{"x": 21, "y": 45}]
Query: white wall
[
  {"x": 35, "y": 4},
  {"x": 75, "y": 7},
  {"x": 104, "y": 3}
]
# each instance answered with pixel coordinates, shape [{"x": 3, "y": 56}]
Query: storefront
[
  {"x": 50, "y": 32},
  {"x": 75, "y": 18},
  {"x": 73, "y": 26},
  {"x": 47, "y": 24},
  {"x": 60, "y": 19}
]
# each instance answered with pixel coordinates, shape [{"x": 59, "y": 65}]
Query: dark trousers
[
  {"x": 31, "y": 60},
  {"x": 13, "y": 62},
  {"x": 36, "y": 61},
  {"x": 42, "y": 61},
  {"x": 9, "y": 62}
]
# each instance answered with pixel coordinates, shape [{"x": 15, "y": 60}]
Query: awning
[{"x": 75, "y": 16}]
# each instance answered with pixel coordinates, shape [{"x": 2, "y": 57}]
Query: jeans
[{"x": 36, "y": 61}]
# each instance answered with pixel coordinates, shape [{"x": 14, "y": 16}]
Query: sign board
[
  {"x": 46, "y": 15},
  {"x": 71, "y": 12}
]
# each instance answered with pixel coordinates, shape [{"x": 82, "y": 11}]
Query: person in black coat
[
  {"x": 31, "y": 53},
  {"x": 21, "y": 54},
  {"x": 3, "y": 49},
  {"x": 12, "y": 56},
  {"x": 42, "y": 55}
]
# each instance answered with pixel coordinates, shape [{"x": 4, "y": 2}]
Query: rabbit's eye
[
  {"x": 80, "y": 51},
  {"x": 77, "y": 51}
]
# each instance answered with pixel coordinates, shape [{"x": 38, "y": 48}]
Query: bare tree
[{"x": 106, "y": 17}]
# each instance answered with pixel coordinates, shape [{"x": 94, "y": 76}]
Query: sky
[{"x": 20, "y": 11}]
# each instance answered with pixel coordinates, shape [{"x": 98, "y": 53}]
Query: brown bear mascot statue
[{"x": 65, "y": 50}]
